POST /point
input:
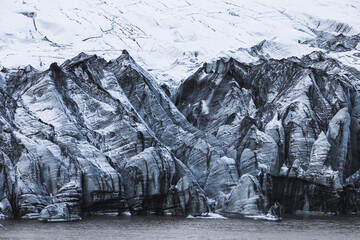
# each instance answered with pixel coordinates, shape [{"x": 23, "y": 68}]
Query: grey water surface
[{"x": 162, "y": 227}]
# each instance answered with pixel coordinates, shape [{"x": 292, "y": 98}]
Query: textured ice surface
[
  {"x": 236, "y": 137},
  {"x": 168, "y": 38}
]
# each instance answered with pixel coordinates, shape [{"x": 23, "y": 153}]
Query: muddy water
[{"x": 161, "y": 227}]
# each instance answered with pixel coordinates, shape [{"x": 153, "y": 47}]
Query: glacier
[
  {"x": 214, "y": 108},
  {"x": 103, "y": 137}
]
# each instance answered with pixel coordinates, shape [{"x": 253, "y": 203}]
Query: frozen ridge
[
  {"x": 169, "y": 39},
  {"x": 235, "y": 139}
]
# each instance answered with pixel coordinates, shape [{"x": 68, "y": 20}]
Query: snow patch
[
  {"x": 207, "y": 216},
  {"x": 205, "y": 108}
]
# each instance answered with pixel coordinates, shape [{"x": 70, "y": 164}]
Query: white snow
[
  {"x": 168, "y": 38},
  {"x": 126, "y": 213},
  {"x": 263, "y": 217},
  {"x": 207, "y": 216},
  {"x": 205, "y": 108}
]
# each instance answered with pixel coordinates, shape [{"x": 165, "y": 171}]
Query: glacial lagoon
[{"x": 169, "y": 227}]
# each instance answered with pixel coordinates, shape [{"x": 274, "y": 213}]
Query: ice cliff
[{"x": 92, "y": 136}]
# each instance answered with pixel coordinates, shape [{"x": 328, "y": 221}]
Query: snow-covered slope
[{"x": 168, "y": 38}]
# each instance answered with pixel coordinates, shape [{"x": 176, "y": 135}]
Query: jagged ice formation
[{"x": 95, "y": 136}]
